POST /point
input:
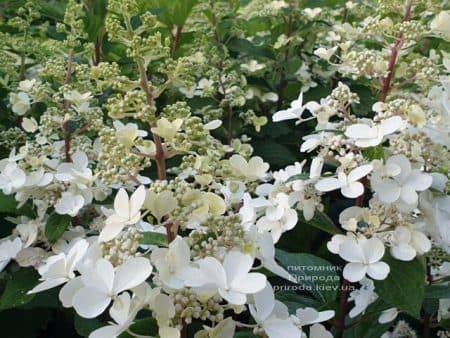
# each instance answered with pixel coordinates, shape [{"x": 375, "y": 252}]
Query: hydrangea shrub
[{"x": 217, "y": 169}]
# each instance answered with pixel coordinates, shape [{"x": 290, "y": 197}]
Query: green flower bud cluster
[
  {"x": 123, "y": 247},
  {"x": 421, "y": 149},
  {"x": 104, "y": 74},
  {"x": 131, "y": 104},
  {"x": 437, "y": 256},
  {"x": 367, "y": 63},
  {"x": 115, "y": 162},
  {"x": 11, "y": 138},
  {"x": 189, "y": 306},
  {"x": 222, "y": 232}
]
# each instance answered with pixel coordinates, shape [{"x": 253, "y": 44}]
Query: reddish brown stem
[
  {"x": 68, "y": 137},
  {"x": 160, "y": 155},
  {"x": 386, "y": 83},
  {"x": 97, "y": 51},
  {"x": 176, "y": 40},
  {"x": 340, "y": 320}
]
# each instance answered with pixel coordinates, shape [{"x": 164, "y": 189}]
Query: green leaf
[
  {"x": 153, "y": 238},
  {"x": 274, "y": 152},
  {"x": 294, "y": 301},
  {"x": 374, "y": 153},
  {"x": 323, "y": 222},
  {"x": 302, "y": 176},
  {"x": 404, "y": 287},
  {"x": 172, "y": 12},
  {"x": 8, "y": 203},
  {"x": 56, "y": 225},
  {"x": 16, "y": 289},
  {"x": 145, "y": 327},
  {"x": 246, "y": 47},
  {"x": 437, "y": 291},
  {"x": 313, "y": 274},
  {"x": 85, "y": 326},
  {"x": 95, "y": 18}
]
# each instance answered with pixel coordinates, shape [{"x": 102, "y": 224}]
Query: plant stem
[
  {"x": 340, "y": 320},
  {"x": 395, "y": 49},
  {"x": 176, "y": 40},
  {"x": 68, "y": 137},
  {"x": 283, "y": 82},
  {"x": 160, "y": 157}
]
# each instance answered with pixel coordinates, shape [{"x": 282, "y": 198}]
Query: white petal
[
  {"x": 328, "y": 184},
  {"x": 409, "y": 195},
  {"x": 281, "y": 328},
  {"x": 391, "y": 125},
  {"x": 354, "y": 272},
  {"x": 388, "y": 315},
  {"x": 420, "y": 242},
  {"x": 351, "y": 251},
  {"x": 108, "y": 331},
  {"x": 110, "y": 231},
  {"x": 353, "y": 190},
  {"x": 213, "y": 272},
  {"x": 131, "y": 273},
  {"x": 388, "y": 191},
  {"x": 48, "y": 284},
  {"x": 137, "y": 200},
  {"x": 283, "y": 115},
  {"x": 264, "y": 303},
  {"x": 319, "y": 331},
  {"x": 100, "y": 276},
  {"x": 360, "y": 130},
  {"x": 360, "y": 172},
  {"x": 250, "y": 283},
  {"x": 89, "y": 302},
  {"x": 233, "y": 297},
  {"x": 378, "y": 270},
  {"x": 69, "y": 290},
  {"x": 236, "y": 265},
  {"x": 121, "y": 204},
  {"x": 403, "y": 252},
  {"x": 373, "y": 250},
  {"x": 419, "y": 181}
]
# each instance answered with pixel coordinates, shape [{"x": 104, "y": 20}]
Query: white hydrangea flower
[
  {"x": 254, "y": 169},
  {"x": 103, "y": 282},
  {"x": 364, "y": 257},
  {"x": 348, "y": 184},
  {"x": 272, "y": 315},
  {"x": 60, "y": 269},
  {"x": 126, "y": 212},
  {"x": 401, "y": 184},
  {"x": 232, "y": 280}
]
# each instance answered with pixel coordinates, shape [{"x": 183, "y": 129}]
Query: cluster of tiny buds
[
  {"x": 437, "y": 256},
  {"x": 419, "y": 148},
  {"x": 370, "y": 64},
  {"x": 122, "y": 247},
  {"x": 223, "y": 232},
  {"x": 188, "y": 306}
]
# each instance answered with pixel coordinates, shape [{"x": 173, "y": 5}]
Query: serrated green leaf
[{"x": 56, "y": 225}]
